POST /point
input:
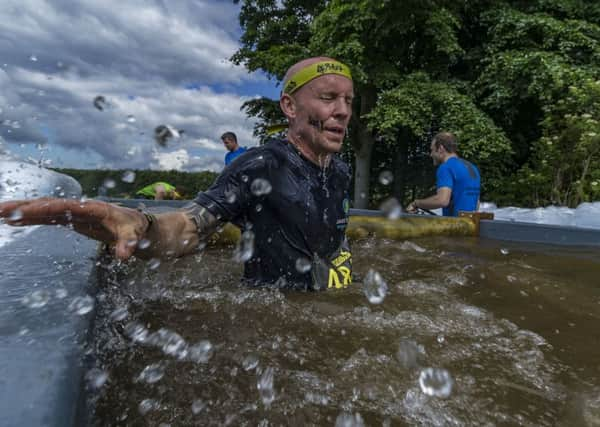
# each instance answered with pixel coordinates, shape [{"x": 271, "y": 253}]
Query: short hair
[
  {"x": 229, "y": 135},
  {"x": 446, "y": 140}
]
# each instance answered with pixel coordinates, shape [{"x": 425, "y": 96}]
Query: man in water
[
  {"x": 161, "y": 191},
  {"x": 289, "y": 197},
  {"x": 233, "y": 149},
  {"x": 457, "y": 180}
]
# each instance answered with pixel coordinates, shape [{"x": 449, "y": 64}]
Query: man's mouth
[{"x": 338, "y": 130}]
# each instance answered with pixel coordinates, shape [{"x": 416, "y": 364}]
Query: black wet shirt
[{"x": 304, "y": 213}]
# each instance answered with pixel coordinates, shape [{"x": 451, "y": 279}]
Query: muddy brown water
[{"x": 514, "y": 327}]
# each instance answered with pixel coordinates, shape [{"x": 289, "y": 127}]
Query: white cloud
[
  {"x": 174, "y": 160},
  {"x": 139, "y": 55}
]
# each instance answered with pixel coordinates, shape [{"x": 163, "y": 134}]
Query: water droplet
[
  {"x": 109, "y": 183},
  {"x": 100, "y": 102},
  {"x": 96, "y": 378},
  {"x": 36, "y": 299},
  {"x": 436, "y": 382},
  {"x": 260, "y": 187},
  {"x": 170, "y": 342},
  {"x": 152, "y": 373},
  {"x": 250, "y": 362},
  {"x": 407, "y": 245},
  {"x": 244, "y": 178},
  {"x": 258, "y": 207},
  {"x": 374, "y": 287},
  {"x": 391, "y": 208},
  {"x": 303, "y": 265},
  {"x": 119, "y": 314},
  {"x": 201, "y": 352},
  {"x": 197, "y": 406},
  {"x": 128, "y": 176},
  {"x": 148, "y": 405},
  {"x": 265, "y": 387},
  {"x": 441, "y": 339},
  {"x": 136, "y": 331},
  {"x": 143, "y": 244},
  {"x": 61, "y": 293},
  {"x": 33, "y": 58},
  {"x": 408, "y": 352},
  {"x": 131, "y": 118},
  {"x": 386, "y": 177},
  {"x": 153, "y": 263},
  {"x": 504, "y": 251},
  {"x": 230, "y": 196},
  {"x": 346, "y": 419},
  {"x": 82, "y": 305},
  {"x": 245, "y": 247},
  {"x": 16, "y": 215},
  {"x": 163, "y": 133}
]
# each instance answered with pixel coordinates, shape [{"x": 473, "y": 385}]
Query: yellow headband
[{"x": 313, "y": 71}]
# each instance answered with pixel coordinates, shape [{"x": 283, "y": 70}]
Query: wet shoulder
[
  {"x": 252, "y": 161},
  {"x": 341, "y": 168}
]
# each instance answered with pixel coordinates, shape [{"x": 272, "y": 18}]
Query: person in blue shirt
[
  {"x": 234, "y": 150},
  {"x": 458, "y": 181}
]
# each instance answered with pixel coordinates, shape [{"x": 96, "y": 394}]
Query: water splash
[
  {"x": 265, "y": 387},
  {"x": 82, "y": 305},
  {"x": 303, "y": 265},
  {"x": 153, "y": 263},
  {"x": 250, "y": 362},
  {"x": 260, "y": 187},
  {"x": 391, "y": 208},
  {"x": 436, "y": 382},
  {"x": 407, "y": 354},
  {"x": 386, "y": 177},
  {"x": 148, "y": 405},
  {"x": 245, "y": 247},
  {"x": 96, "y": 378},
  {"x": 198, "y": 406},
  {"x": 346, "y": 419},
  {"x": 36, "y": 299},
  {"x": 109, "y": 183},
  {"x": 374, "y": 287},
  {"x": 128, "y": 176},
  {"x": 152, "y": 373},
  {"x": 201, "y": 352}
]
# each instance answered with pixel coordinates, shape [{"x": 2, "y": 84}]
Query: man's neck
[
  {"x": 321, "y": 160},
  {"x": 449, "y": 156}
]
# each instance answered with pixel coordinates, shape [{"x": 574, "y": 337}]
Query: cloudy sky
[{"x": 155, "y": 62}]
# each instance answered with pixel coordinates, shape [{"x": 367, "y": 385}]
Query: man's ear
[{"x": 288, "y": 105}]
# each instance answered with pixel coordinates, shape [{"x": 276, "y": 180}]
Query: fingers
[{"x": 124, "y": 248}]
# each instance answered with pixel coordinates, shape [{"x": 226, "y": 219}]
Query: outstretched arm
[
  {"x": 441, "y": 199},
  {"x": 170, "y": 234}
]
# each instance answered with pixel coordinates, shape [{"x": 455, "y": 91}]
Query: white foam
[{"x": 585, "y": 215}]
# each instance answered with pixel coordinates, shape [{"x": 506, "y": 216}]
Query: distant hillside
[{"x": 124, "y": 183}]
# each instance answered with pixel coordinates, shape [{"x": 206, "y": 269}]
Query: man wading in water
[{"x": 289, "y": 197}]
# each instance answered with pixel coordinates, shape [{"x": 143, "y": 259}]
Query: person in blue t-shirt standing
[
  {"x": 230, "y": 141},
  {"x": 458, "y": 181}
]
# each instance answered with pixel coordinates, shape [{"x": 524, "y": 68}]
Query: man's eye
[{"x": 327, "y": 97}]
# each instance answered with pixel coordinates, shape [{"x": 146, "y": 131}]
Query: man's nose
[{"x": 342, "y": 107}]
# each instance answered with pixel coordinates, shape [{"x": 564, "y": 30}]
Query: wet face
[
  {"x": 321, "y": 113},
  {"x": 229, "y": 144}
]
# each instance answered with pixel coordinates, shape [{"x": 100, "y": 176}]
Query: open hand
[{"x": 117, "y": 226}]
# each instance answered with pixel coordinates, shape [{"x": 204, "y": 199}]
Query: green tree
[
  {"x": 537, "y": 81},
  {"x": 382, "y": 40}
]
